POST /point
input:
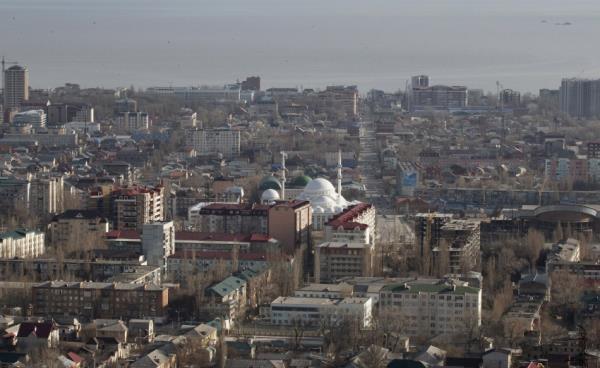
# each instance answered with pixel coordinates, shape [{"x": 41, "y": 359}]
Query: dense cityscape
[{"x": 241, "y": 226}]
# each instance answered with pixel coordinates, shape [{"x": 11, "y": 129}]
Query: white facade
[
  {"x": 36, "y": 118},
  {"x": 22, "y": 244},
  {"x": 324, "y": 200},
  {"x": 214, "y": 141},
  {"x": 433, "y": 307},
  {"x": 82, "y": 127},
  {"x": 287, "y": 311}
]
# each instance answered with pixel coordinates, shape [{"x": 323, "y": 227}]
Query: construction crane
[{"x": 4, "y": 62}]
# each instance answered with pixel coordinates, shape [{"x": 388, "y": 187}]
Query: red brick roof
[{"x": 345, "y": 218}]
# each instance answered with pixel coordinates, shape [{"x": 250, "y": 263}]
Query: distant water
[{"x": 310, "y": 43}]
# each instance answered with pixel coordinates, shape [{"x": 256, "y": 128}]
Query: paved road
[{"x": 370, "y": 167}]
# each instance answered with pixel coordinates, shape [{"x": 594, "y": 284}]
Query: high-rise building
[
  {"x": 251, "y": 84},
  {"x": 158, "y": 242},
  {"x": 131, "y": 121},
  {"x": 344, "y": 96},
  {"x": 580, "y": 98},
  {"x": 16, "y": 86},
  {"x": 70, "y": 112},
  {"x": 510, "y": 98},
  {"x": 133, "y": 207},
  {"x": 438, "y": 97},
  {"x": 419, "y": 81}
]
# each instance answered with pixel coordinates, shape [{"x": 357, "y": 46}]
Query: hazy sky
[{"x": 372, "y": 43}]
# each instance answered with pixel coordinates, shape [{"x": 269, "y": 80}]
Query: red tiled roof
[
  {"x": 345, "y": 218},
  {"x": 235, "y": 206},
  {"x": 123, "y": 234},
  {"x": 74, "y": 357}
]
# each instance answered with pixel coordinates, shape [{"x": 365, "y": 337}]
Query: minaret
[
  {"x": 339, "y": 174},
  {"x": 283, "y": 156}
]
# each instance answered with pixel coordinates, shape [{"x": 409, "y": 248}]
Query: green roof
[
  {"x": 269, "y": 182},
  {"x": 301, "y": 181},
  {"x": 430, "y": 288},
  {"x": 228, "y": 285},
  {"x": 15, "y": 234}
]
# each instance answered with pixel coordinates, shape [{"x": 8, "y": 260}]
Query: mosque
[{"x": 324, "y": 199}]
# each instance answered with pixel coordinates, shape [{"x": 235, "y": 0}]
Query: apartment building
[
  {"x": 46, "y": 195},
  {"x": 428, "y": 231},
  {"x": 81, "y": 226},
  {"x": 344, "y": 96},
  {"x": 289, "y": 311},
  {"x": 208, "y": 142},
  {"x": 226, "y": 299},
  {"x": 355, "y": 224},
  {"x": 431, "y": 307},
  {"x": 22, "y": 243},
  {"x": 135, "y": 206},
  {"x": 99, "y": 300},
  {"x": 63, "y": 113},
  {"x": 567, "y": 170},
  {"x": 233, "y": 218},
  {"x": 35, "y": 118},
  {"x": 438, "y": 97},
  {"x": 130, "y": 121},
  {"x": 290, "y": 222},
  {"x": 459, "y": 247},
  {"x": 181, "y": 265},
  {"x": 335, "y": 260},
  {"x": 158, "y": 242},
  {"x": 579, "y": 98}
]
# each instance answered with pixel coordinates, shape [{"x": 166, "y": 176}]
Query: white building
[
  {"x": 131, "y": 121},
  {"x": 431, "y": 307},
  {"x": 188, "y": 118},
  {"x": 21, "y": 244},
  {"x": 356, "y": 224},
  {"x": 81, "y": 127},
  {"x": 287, "y": 311},
  {"x": 227, "y": 93},
  {"x": 35, "y": 118},
  {"x": 208, "y": 142},
  {"x": 158, "y": 242},
  {"x": 324, "y": 199}
]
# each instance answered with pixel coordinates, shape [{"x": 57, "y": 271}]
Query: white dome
[
  {"x": 319, "y": 186},
  {"x": 269, "y": 195}
]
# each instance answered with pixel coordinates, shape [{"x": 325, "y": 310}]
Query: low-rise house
[
  {"x": 111, "y": 328},
  {"x": 33, "y": 335},
  {"x": 141, "y": 330}
]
